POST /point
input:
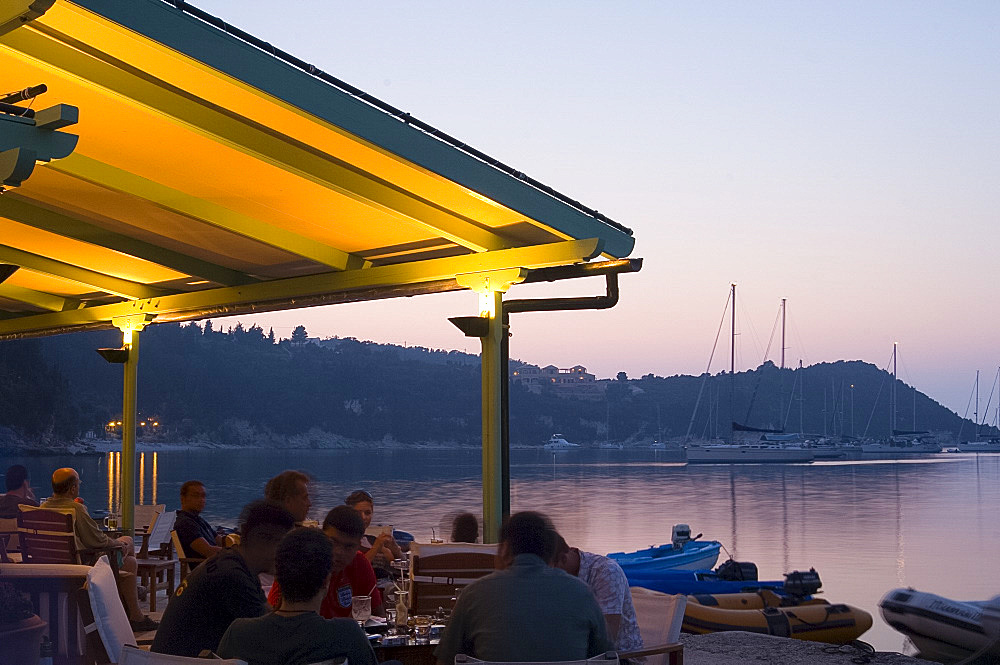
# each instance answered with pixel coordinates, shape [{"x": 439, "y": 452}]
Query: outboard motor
[
  {"x": 737, "y": 571},
  {"x": 681, "y": 534},
  {"x": 801, "y": 584}
]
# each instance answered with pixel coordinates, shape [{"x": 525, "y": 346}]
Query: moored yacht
[{"x": 558, "y": 442}]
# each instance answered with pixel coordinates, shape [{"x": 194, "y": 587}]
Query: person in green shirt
[{"x": 295, "y": 633}]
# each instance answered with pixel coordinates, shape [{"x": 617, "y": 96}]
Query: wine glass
[{"x": 361, "y": 609}]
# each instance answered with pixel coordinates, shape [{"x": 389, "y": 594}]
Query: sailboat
[
  {"x": 900, "y": 442},
  {"x": 980, "y": 446},
  {"x": 743, "y": 453}
]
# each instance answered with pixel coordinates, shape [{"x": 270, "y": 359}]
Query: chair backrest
[
  {"x": 8, "y": 533},
  {"x": 110, "y": 619},
  {"x": 47, "y": 536},
  {"x": 438, "y": 569},
  {"x": 145, "y": 516},
  {"x": 609, "y": 658},
  {"x": 159, "y": 532},
  {"x": 135, "y": 656},
  {"x": 176, "y": 542},
  {"x": 659, "y": 615}
]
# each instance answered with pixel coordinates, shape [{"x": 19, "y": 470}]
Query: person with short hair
[
  {"x": 65, "y": 492},
  {"x": 19, "y": 491},
  {"x": 527, "y": 611},
  {"x": 383, "y": 548},
  {"x": 351, "y": 574},
  {"x": 291, "y": 490},
  {"x": 294, "y": 633},
  {"x": 196, "y": 535},
  {"x": 609, "y": 585},
  {"x": 465, "y": 528},
  {"x": 225, "y": 587}
]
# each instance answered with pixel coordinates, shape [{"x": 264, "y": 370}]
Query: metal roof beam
[
  {"x": 95, "y": 280},
  {"x": 115, "y": 179},
  {"x": 47, "y": 301},
  {"x": 241, "y": 133},
  {"x": 194, "y": 305},
  {"x": 25, "y": 212}
]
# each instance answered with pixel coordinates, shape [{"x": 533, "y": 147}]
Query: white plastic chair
[
  {"x": 110, "y": 619},
  {"x": 609, "y": 658},
  {"x": 660, "y": 617},
  {"x": 136, "y": 656}
]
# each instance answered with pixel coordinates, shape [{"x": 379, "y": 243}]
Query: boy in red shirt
[{"x": 351, "y": 574}]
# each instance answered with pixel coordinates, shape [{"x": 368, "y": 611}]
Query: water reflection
[{"x": 867, "y": 527}]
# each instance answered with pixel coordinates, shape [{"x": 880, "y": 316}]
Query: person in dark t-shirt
[
  {"x": 294, "y": 633},
  {"x": 225, "y": 587},
  {"x": 196, "y": 535}
]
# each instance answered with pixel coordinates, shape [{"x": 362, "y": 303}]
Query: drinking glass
[
  {"x": 111, "y": 522},
  {"x": 422, "y": 629},
  {"x": 361, "y": 609},
  {"x": 390, "y": 619}
]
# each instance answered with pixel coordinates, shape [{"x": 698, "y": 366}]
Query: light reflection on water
[{"x": 866, "y": 527}]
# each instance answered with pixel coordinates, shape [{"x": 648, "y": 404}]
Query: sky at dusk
[{"x": 845, "y": 156}]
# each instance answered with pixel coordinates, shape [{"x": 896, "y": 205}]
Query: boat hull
[
  {"x": 690, "y": 582},
  {"x": 942, "y": 629},
  {"x": 747, "y": 455},
  {"x": 979, "y": 447},
  {"x": 695, "y": 555},
  {"x": 814, "y": 620}
]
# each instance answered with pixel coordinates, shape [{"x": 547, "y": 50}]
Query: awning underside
[{"x": 193, "y": 189}]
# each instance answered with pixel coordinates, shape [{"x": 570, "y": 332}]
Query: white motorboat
[
  {"x": 750, "y": 453},
  {"x": 611, "y": 445},
  {"x": 558, "y": 442},
  {"x": 900, "y": 446},
  {"x": 942, "y": 629}
]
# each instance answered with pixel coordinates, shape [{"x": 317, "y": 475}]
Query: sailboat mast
[
  {"x": 976, "y": 412},
  {"x": 892, "y": 407},
  {"x": 732, "y": 369},
  {"x": 783, "y": 306}
]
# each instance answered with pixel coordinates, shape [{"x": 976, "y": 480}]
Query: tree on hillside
[{"x": 299, "y": 335}]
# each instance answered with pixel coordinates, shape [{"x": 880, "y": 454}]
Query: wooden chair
[
  {"x": 49, "y": 536},
  {"x": 438, "y": 569},
  {"x": 188, "y": 563},
  {"x": 144, "y": 518},
  {"x": 9, "y": 547},
  {"x": 155, "y": 558}
]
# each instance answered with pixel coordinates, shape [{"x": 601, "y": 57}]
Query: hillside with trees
[{"x": 246, "y": 387}]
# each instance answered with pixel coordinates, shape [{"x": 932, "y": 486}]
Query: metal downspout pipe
[{"x": 611, "y": 270}]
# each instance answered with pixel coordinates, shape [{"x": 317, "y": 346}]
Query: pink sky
[{"x": 845, "y": 156}]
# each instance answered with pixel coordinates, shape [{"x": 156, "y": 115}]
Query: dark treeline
[{"x": 244, "y": 386}]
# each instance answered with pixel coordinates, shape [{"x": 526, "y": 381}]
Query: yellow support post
[
  {"x": 130, "y": 327},
  {"x": 492, "y": 375},
  {"x": 491, "y": 286}
]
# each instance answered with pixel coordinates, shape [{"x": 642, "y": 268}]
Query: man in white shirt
[{"x": 609, "y": 585}]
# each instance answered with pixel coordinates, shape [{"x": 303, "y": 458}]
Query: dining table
[{"x": 410, "y": 653}]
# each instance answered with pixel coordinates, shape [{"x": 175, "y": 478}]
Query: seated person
[
  {"x": 64, "y": 499},
  {"x": 291, "y": 490},
  {"x": 196, "y": 535},
  {"x": 609, "y": 585},
  {"x": 527, "y": 612},
  {"x": 381, "y": 550},
  {"x": 351, "y": 574},
  {"x": 295, "y": 634},
  {"x": 18, "y": 492},
  {"x": 465, "y": 529},
  {"x": 225, "y": 587}
]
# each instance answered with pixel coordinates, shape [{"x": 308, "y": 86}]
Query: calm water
[{"x": 866, "y": 527}]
